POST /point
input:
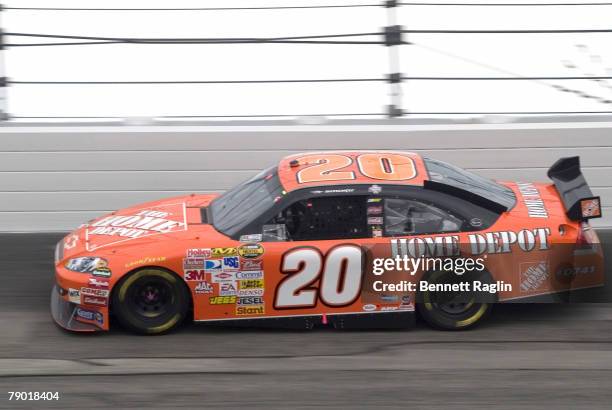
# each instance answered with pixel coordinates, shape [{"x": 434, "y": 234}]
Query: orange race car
[{"x": 346, "y": 239}]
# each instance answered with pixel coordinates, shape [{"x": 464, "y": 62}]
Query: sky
[{"x": 428, "y": 55}]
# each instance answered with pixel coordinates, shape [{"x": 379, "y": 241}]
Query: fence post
[{"x": 393, "y": 39}]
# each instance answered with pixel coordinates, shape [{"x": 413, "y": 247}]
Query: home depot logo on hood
[{"x": 144, "y": 222}]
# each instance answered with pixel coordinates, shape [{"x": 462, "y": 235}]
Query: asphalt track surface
[{"x": 525, "y": 356}]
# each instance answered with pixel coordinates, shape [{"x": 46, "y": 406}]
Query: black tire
[
  {"x": 455, "y": 310},
  {"x": 150, "y": 301}
]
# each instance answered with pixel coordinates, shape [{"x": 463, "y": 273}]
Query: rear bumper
[{"x": 73, "y": 317}]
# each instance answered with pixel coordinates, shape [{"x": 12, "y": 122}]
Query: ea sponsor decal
[
  {"x": 230, "y": 264},
  {"x": 195, "y": 275},
  {"x": 203, "y": 287},
  {"x": 227, "y": 289},
  {"x": 223, "y": 277},
  {"x": 212, "y": 265},
  {"x": 249, "y": 275}
]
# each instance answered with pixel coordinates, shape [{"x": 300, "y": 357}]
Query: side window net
[
  {"x": 324, "y": 218},
  {"x": 409, "y": 217}
]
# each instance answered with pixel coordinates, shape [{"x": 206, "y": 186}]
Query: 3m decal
[
  {"x": 339, "y": 273},
  {"x": 195, "y": 275}
]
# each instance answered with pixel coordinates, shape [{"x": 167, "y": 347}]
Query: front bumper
[{"x": 74, "y": 317}]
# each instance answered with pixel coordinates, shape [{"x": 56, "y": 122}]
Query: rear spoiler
[{"x": 578, "y": 200}]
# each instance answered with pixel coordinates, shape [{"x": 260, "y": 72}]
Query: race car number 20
[{"x": 339, "y": 274}]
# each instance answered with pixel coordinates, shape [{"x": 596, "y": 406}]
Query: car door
[{"x": 315, "y": 252}]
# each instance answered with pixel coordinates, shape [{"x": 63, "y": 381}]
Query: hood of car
[{"x": 143, "y": 222}]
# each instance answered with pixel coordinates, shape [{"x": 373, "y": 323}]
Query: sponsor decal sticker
[
  {"x": 250, "y": 292},
  {"x": 134, "y": 224},
  {"x": 251, "y": 251},
  {"x": 251, "y": 284},
  {"x": 94, "y": 300},
  {"x": 193, "y": 263},
  {"x": 98, "y": 283},
  {"x": 195, "y": 275},
  {"x": 249, "y": 275},
  {"x": 90, "y": 315},
  {"x": 221, "y": 252},
  {"x": 74, "y": 296},
  {"x": 250, "y": 300},
  {"x": 250, "y": 264},
  {"x": 375, "y": 220},
  {"x": 254, "y": 237},
  {"x": 230, "y": 264},
  {"x": 590, "y": 208},
  {"x": 103, "y": 293},
  {"x": 223, "y": 277},
  {"x": 203, "y": 287},
  {"x": 375, "y": 189},
  {"x": 375, "y": 210},
  {"x": 147, "y": 260},
  {"x": 102, "y": 271},
  {"x": 213, "y": 265},
  {"x": 532, "y": 200},
  {"x": 199, "y": 253},
  {"x": 534, "y": 276},
  {"x": 369, "y": 307},
  {"x": 227, "y": 289},
  {"x": 222, "y": 300},
  {"x": 71, "y": 241},
  {"x": 250, "y": 310}
]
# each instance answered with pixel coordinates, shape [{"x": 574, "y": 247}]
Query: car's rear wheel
[
  {"x": 455, "y": 310},
  {"x": 150, "y": 301}
]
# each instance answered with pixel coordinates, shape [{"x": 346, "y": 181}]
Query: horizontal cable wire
[
  {"x": 322, "y": 80},
  {"x": 526, "y": 31},
  {"x": 322, "y": 6},
  {"x": 93, "y": 40},
  {"x": 408, "y": 113}
]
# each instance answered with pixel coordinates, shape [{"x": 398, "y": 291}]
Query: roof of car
[{"x": 351, "y": 167}]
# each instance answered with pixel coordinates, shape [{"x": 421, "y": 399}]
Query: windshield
[
  {"x": 459, "y": 178},
  {"x": 236, "y": 208}
]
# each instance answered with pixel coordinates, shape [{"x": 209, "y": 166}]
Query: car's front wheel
[{"x": 150, "y": 301}]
